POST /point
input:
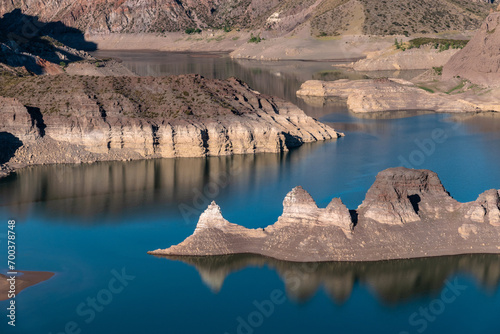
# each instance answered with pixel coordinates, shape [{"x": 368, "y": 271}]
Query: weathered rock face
[
  {"x": 396, "y": 198},
  {"x": 131, "y": 118},
  {"x": 486, "y": 209},
  {"x": 479, "y": 61},
  {"x": 377, "y": 95},
  {"x": 300, "y": 208},
  {"x": 406, "y": 213},
  {"x": 16, "y": 119},
  {"x": 413, "y": 59}
]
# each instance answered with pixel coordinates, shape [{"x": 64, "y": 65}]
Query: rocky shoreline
[
  {"x": 465, "y": 80},
  {"x": 407, "y": 213},
  {"x": 74, "y": 119},
  {"x": 377, "y": 95}
]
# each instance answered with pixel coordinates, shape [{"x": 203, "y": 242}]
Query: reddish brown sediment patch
[{"x": 29, "y": 278}]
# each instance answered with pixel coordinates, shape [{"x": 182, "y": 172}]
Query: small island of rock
[{"x": 407, "y": 213}]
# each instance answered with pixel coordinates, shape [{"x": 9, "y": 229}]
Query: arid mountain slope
[
  {"x": 479, "y": 61},
  {"x": 326, "y": 17}
]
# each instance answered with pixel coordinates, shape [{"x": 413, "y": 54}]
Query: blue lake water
[{"x": 93, "y": 224}]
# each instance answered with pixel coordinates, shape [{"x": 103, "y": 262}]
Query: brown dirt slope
[{"x": 479, "y": 61}]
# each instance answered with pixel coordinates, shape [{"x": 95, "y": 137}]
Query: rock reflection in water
[
  {"x": 392, "y": 281},
  {"x": 484, "y": 122},
  {"x": 113, "y": 188}
]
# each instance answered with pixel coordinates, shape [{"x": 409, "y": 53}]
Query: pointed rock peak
[
  {"x": 298, "y": 196},
  {"x": 211, "y": 218},
  {"x": 335, "y": 204},
  {"x": 212, "y": 211}
]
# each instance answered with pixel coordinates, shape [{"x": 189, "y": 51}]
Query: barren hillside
[{"x": 326, "y": 17}]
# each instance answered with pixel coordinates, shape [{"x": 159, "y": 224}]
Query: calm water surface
[{"x": 87, "y": 223}]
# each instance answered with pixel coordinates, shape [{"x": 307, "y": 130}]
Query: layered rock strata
[
  {"x": 376, "y": 95},
  {"x": 406, "y": 214},
  {"x": 413, "y": 59},
  {"x": 83, "y": 119}
]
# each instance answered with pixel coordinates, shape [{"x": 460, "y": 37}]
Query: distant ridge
[{"x": 325, "y": 17}]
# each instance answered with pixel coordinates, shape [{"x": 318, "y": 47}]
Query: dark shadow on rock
[
  {"x": 37, "y": 119},
  {"x": 25, "y": 33},
  {"x": 292, "y": 141},
  {"x": 414, "y": 200},
  {"x": 8, "y": 146},
  {"x": 354, "y": 217}
]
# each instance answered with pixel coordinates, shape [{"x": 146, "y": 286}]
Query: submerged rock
[{"x": 407, "y": 213}]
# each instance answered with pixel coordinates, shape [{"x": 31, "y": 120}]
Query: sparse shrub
[
  {"x": 191, "y": 31},
  {"x": 427, "y": 89},
  {"x": 396, "y": 44},
  {"x": 438, "y": 70},
  {"x": 440, "y": 44},
  {"x": 255, "y": 39}
]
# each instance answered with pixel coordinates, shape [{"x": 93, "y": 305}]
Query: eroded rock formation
[
  {"x": 81, "y": 119},
  {"x": 377, "y": 95},
  {"x": 406, "y": 214}
]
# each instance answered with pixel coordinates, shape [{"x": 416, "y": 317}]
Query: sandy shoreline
[
  {"x": 298, "y": 47},
  {"x": 29, "y": 278}
]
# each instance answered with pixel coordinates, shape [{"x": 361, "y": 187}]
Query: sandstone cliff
[
  {"x": 406, "y": 214},
  {"x": 479, "y": 61},
  {"x": 76, "y": 118},
  {"x": 376, "y": 95}
]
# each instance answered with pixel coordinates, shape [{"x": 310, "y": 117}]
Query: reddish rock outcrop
[{"x": 406, "y": 213}]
